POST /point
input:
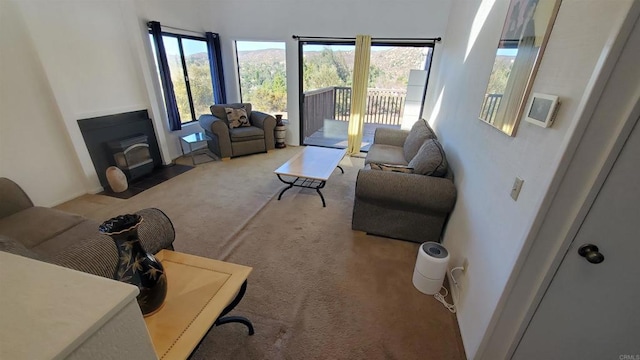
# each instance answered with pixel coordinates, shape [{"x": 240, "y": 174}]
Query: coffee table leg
[
  {"x": 285, "y": 189},
  {"x": 321, "y": 197},
  {"x": 322, "y": 184},
  {"x": 222, "y": 319}
]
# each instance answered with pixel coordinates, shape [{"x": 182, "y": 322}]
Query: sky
[
  {"x": 507, "y": 52},
  {"x": 258, "y": 45},
  {"x": 189, "y": 46}
]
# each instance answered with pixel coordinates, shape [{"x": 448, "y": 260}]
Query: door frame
[
  {"x": 301, "y": 44},
  {"x": 343, "y": 41},
  {"x": 563, "y": 209}
]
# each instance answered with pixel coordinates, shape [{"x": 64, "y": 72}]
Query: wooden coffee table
[
  {"x": 200, "y": 292},
  {"x": 311, "y": 168}
]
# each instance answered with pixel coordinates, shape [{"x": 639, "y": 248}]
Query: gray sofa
[
  {"x": 66, "y": 239},
  {"x": 406, "y": 189},
  {"x": 231, "y": 142}
]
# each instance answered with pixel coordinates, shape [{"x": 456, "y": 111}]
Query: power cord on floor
[{"x": 442, "y": 298}]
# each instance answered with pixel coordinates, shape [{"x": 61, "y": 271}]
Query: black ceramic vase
[{"x": 135, "y": 265}]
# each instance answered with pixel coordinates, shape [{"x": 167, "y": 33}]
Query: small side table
[
  {"x": 280, "y": 133},
  {"x": 197, "y": 145},
  {"x": 200, "y": 292}
]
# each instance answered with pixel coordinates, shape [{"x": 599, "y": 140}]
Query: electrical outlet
[
  {"x": 517, "y": 186},
  {"x": 465, "y": 265}
]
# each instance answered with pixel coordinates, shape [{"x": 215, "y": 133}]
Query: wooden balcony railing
[
  {"x": 334, "y": 103},
  {"x": 490, "y": 107}
]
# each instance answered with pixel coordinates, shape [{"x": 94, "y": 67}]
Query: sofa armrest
[
  {"x": 267, "y": 123},
  {"x": 387, "y": 136},
  {"x": 97, "y": 254},
  {"x": 214, "y": 124},
  {"x": 156, "y": 231},
  {"x": 218, "y": 128},
  {"x": 411, "y": 191},
  {"x": 12, "y": 198},
  {"x": 262, "y": 120}
]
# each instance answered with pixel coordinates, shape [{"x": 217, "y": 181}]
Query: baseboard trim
[{"x": 70, "y": 197}]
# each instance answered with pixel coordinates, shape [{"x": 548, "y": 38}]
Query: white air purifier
[{"x": 431, "y": 267}]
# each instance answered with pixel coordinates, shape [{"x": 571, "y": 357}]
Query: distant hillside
[
  {"x": 263, "y": 74},
  {"x": 391, "y": 67},
  {"x": 261, "y": 56}
]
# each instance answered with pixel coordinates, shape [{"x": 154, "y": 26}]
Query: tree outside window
[{"x": 262, "y": 73}]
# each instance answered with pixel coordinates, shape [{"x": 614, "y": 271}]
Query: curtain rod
[
  {"x": 177, "y": 28},
  {"x": 298, "y": 37}
]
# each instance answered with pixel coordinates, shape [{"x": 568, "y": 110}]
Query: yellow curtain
[{"x": 359, "y": 93}]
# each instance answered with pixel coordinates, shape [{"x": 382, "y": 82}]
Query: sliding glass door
[
  {"x": 326, "y": 77},
  {"x": 326, "y": 73}
]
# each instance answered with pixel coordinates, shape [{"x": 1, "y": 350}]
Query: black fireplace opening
[{"x": 132, "y": 156}]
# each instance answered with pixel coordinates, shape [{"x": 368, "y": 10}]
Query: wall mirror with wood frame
[{"x": 522, "y": 42}]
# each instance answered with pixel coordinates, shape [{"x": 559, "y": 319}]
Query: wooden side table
[{"x": 200, "y": 292}]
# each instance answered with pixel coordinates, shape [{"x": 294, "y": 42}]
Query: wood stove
[{"x": 132, "y": 156}]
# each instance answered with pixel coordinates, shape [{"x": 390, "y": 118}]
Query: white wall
[
  {"x": 487, "y": 227},
  {"x": 593, "y": 142},
  {"x": 85, "y": 52},
  {"x": 35, "y": 150}
]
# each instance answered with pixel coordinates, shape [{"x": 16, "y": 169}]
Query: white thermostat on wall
[{"x": 541, "y": 109}]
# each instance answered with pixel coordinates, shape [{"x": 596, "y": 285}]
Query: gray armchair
[{"x": 231, "y": 142}]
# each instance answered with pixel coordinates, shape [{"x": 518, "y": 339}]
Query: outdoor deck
[{"x": 334, "y": 134}]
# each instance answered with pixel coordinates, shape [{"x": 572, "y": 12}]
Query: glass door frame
[
  {"x": 397, "y": 43},
  {"x": 301, "y": 95}
]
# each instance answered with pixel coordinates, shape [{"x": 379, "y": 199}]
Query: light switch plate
[{"x": 517, "y": 186}]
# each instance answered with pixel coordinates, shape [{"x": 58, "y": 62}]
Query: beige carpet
[{"x": 318, "y": 289}]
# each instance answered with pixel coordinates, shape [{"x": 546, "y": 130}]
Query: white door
[{"x": 592, "y": 310}]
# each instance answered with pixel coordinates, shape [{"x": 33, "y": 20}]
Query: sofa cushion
[
  {"x": 430, "y": 159},
  {"x": 391, "y": 167},
  {"x": 420, "y": 132},
  {"x": 14, "y": 247},
  {"x": 246, "y": 133},
  {"x": 237, "y": 117},
  {"x": 35, "y": 225},
  {"x": 75, "y": 234},
  {"x": 385, "y": 154}
]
